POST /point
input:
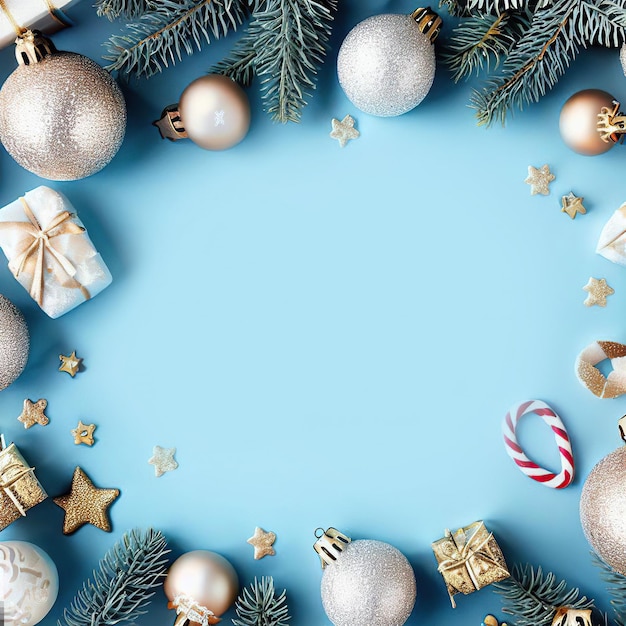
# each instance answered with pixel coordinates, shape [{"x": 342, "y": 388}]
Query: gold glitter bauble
[
  {"x": 62, "y": 118},
  {"x": 603, "y": 509}
]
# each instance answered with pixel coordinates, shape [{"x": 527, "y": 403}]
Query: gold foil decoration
[
  {"x": 539, "y": 179},
  {"x": 33, "y": 413},
  {"x": 83, "y": 433},
  {"x": 70, "y": 364},
  {"x": 590, "y": 376},
  {"x": 598, "y": 290},
  {"x": 572, "y": 617},
  {"x": 469, "y": 559},
  {"x": 262, "y": 542}
]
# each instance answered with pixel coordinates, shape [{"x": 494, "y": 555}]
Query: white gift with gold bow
[{"x": 49, "y": 251}]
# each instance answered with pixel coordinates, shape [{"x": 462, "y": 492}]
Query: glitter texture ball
[
  {"x": 386, "y": 65},
  {"x": 622, "y": 57},
  {"x": 14, "y": 342},
  {"x": 603, "y": 509},
  {"x": 370, "y": 583},
  {"x": 63, "y": 118}
]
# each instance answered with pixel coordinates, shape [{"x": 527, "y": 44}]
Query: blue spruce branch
[
  {"x": 259, "y": 606},
  {"x": 130, "y": 9}
]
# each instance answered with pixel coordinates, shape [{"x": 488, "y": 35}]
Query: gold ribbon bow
[
  {"x": 6, "y": 485},
  {"x": 31, "y": 259}
]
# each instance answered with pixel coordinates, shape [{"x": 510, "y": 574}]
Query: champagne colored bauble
[
  {"x": 579, "y": 121},
  {"x": 29, "y": 582},
  {"x": 215, "y": 112},
  {"x": 386, "y": 65},
  {"x": 14, "y": 342},
  {"x": 370, "y": 583},
  {"x": 63, "y": 118},
  {"x": 603, "y": 509},
  {"x": 202, "y": 579}
]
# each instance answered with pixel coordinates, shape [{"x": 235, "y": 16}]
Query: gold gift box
[
  {"x": 19, "y": 488},
  {"x": 469, "y": 559}
]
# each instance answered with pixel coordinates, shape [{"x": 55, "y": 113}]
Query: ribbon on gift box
[
  {"x": 55, "y": 14},
  {"x": 37, "y": 243},
  {"x": 6, "y": 485}
]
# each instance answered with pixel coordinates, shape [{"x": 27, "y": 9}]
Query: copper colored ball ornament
[
  {"x": 603, "y": 509},
  {"x": 14, "y": 342},
  {"x": 201, "y": 586},
  {"x": 62, "y": 117},
  {"x": 579, "y": 121}
]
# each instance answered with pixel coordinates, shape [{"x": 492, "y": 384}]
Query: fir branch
[
  {"x": 123, "y": 584},
  {"x": 617, "y": 588},
  {"x": 239, "y": 64},
  {"x": 533, "y": 597},
  {"x": 259, "y": 606},
  {"x": 160, "y": 36},
  {"x": 129, "y": 9},
  {"x": 499, "y": 6}
]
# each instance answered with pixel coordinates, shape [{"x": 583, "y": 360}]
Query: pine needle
[
  {"x": 617, "y": 588},
  {"x": 130, "y": 9},
  {"x": 259, "y": 606}
]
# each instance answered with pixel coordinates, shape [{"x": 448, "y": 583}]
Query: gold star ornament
[
  {"x": 70, "y": 364},
  {"x": 262, "y": 542},
  {"x": 598, "y": 291},
  {"x": 572, "y": 205},
  {"x": 83, "y": 433},
  {"x": 33, "y": 413},
  {"x": 86, "y": 504},
  {"x": 163, "y": 460},
  {"x": 344, "y": 130},
  {"x": 539, "y": 180}
]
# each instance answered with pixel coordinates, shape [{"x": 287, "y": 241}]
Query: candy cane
[{"x": 528, "y": 467}]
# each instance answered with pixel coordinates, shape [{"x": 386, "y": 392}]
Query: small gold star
[
  {"x": 70, "y": 364},
  {"x": 86, "y": 504},
  {"x": 539, "y": 179},
  {"x": 572, "y": 205},
  {"x": 83, "y": 433},
  {"x": 598, "y": 291},
  {"x": 163, "y": 460},
  {"x": 262, "y": 543},
  {"x": 33, "y": 413},
  {"x": 344, "y": 131}
]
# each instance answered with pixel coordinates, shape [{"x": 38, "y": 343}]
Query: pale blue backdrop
[{"x": 330, "y": 337}]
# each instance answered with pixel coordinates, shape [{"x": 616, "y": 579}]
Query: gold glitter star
[
  {"x": 539, "y": 179},
  {"x": 163, "y": 460},
  {"x": 83, "y": 433},
  {"x": 262, "y": 543},
  {"x": 86, "y": 504},
  {"x": 572, "y": 205},
  {"x": 344, "y": 131},
  {"x": 70, "y": 364},
  {"x": 598, "y": 291},
  {"x": 33, "y": 413}
]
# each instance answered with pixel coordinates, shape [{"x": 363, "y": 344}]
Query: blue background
[{"x": 329, "y": 337}]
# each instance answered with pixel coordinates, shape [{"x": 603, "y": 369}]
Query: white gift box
[
  {"x": 45, "y": 15},
  {"x": 49, "y": 251}
]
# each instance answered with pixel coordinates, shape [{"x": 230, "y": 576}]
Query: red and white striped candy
[{"x": 528, "y": 467}]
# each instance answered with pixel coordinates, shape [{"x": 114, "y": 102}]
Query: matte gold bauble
[
  {"x": 579, "y": 121},
  {"x": 201, "y": 586}
]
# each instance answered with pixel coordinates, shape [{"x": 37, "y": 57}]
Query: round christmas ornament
[
  {"x": 386, "y": 64},
  {"x": 14, "y": 342},
  {"x": 29, "y": 583},
  {"x": 200, "y": 585},
  {"x": 62, "y": 116},
  {"x": 214, "y": 112},
  {"x": 365, "y": 581}
]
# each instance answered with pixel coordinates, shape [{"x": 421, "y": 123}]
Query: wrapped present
[
  {"x": 49, "y": 251},
  {"x": 469, "y": 559},
  {"x": 45, "y": 15},
  {"x": 19, "y": 488}
]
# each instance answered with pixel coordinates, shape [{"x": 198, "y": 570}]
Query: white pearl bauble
[
  {"x": 29, "y": 582},
  {"x": 371, "y": 583},
  {"x": 14, "y": 342},
  {"x": 386, "y": 65}
]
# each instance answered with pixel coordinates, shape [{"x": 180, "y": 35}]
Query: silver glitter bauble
[
  {"x": 622, "y": 57},
  {"x": 63, "y": 117},
  {"x": 370, "y": 583},
  {"x": 14, "y": 342},
  {"x": 603, "y": 509},
  {"x": 386, "y": 64}
]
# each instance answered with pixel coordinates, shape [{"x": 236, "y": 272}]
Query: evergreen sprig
[
  {"x": 533, "y": 597},
  {"x": 259, "y": 606},
  {"x": 617, "y": 589},
  {"x": 130, "y": 9},
  {"x": 123, "y": 584}
]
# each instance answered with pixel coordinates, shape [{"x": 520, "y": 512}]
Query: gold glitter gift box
[
  {"x": 19, "y": 488},
  {"x": 469, "y": 559}
]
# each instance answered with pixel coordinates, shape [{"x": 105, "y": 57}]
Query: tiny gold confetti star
[
  {"x": 262, "y": 543},
  {"x": 33, "y": 413},
  {"x": 86, "y": 504},
  {"x": 598, "y": 291},
  {"x": 83, "y": 433},
  {"x": 163, "y": 460},
  {"x": 572, "y": 205},
  {"x": 344, "y": 131},
  {"x": 70, "y": 364},
  {"x": 539, "y": 179}
]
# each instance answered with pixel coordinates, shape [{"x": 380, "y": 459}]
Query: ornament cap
[
  {"x": 612, "y": 124},
  {"x": 32, "y": 47},
  {"x": 621, "y": 425},
  {"x": 428, "y": 22},
  {"x": 170, "y": 125},
  {"x": 330, "y": 544}
]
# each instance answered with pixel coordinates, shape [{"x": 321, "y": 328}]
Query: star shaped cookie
[
  {"x": 33, "y": 413},
  {"x": 86, "y": 504},
  {"x": 598, "y": 291},
  {"x": 344, "y": 130},
  {"x": 70, "y": 364},
  {"x": 83, "y": 433},
  {"x": 572, "y": 205},
  {"x": 163, "y": 460},
  {"x": 262, "y": 542},
  {"x": 539, "y": 179}
]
